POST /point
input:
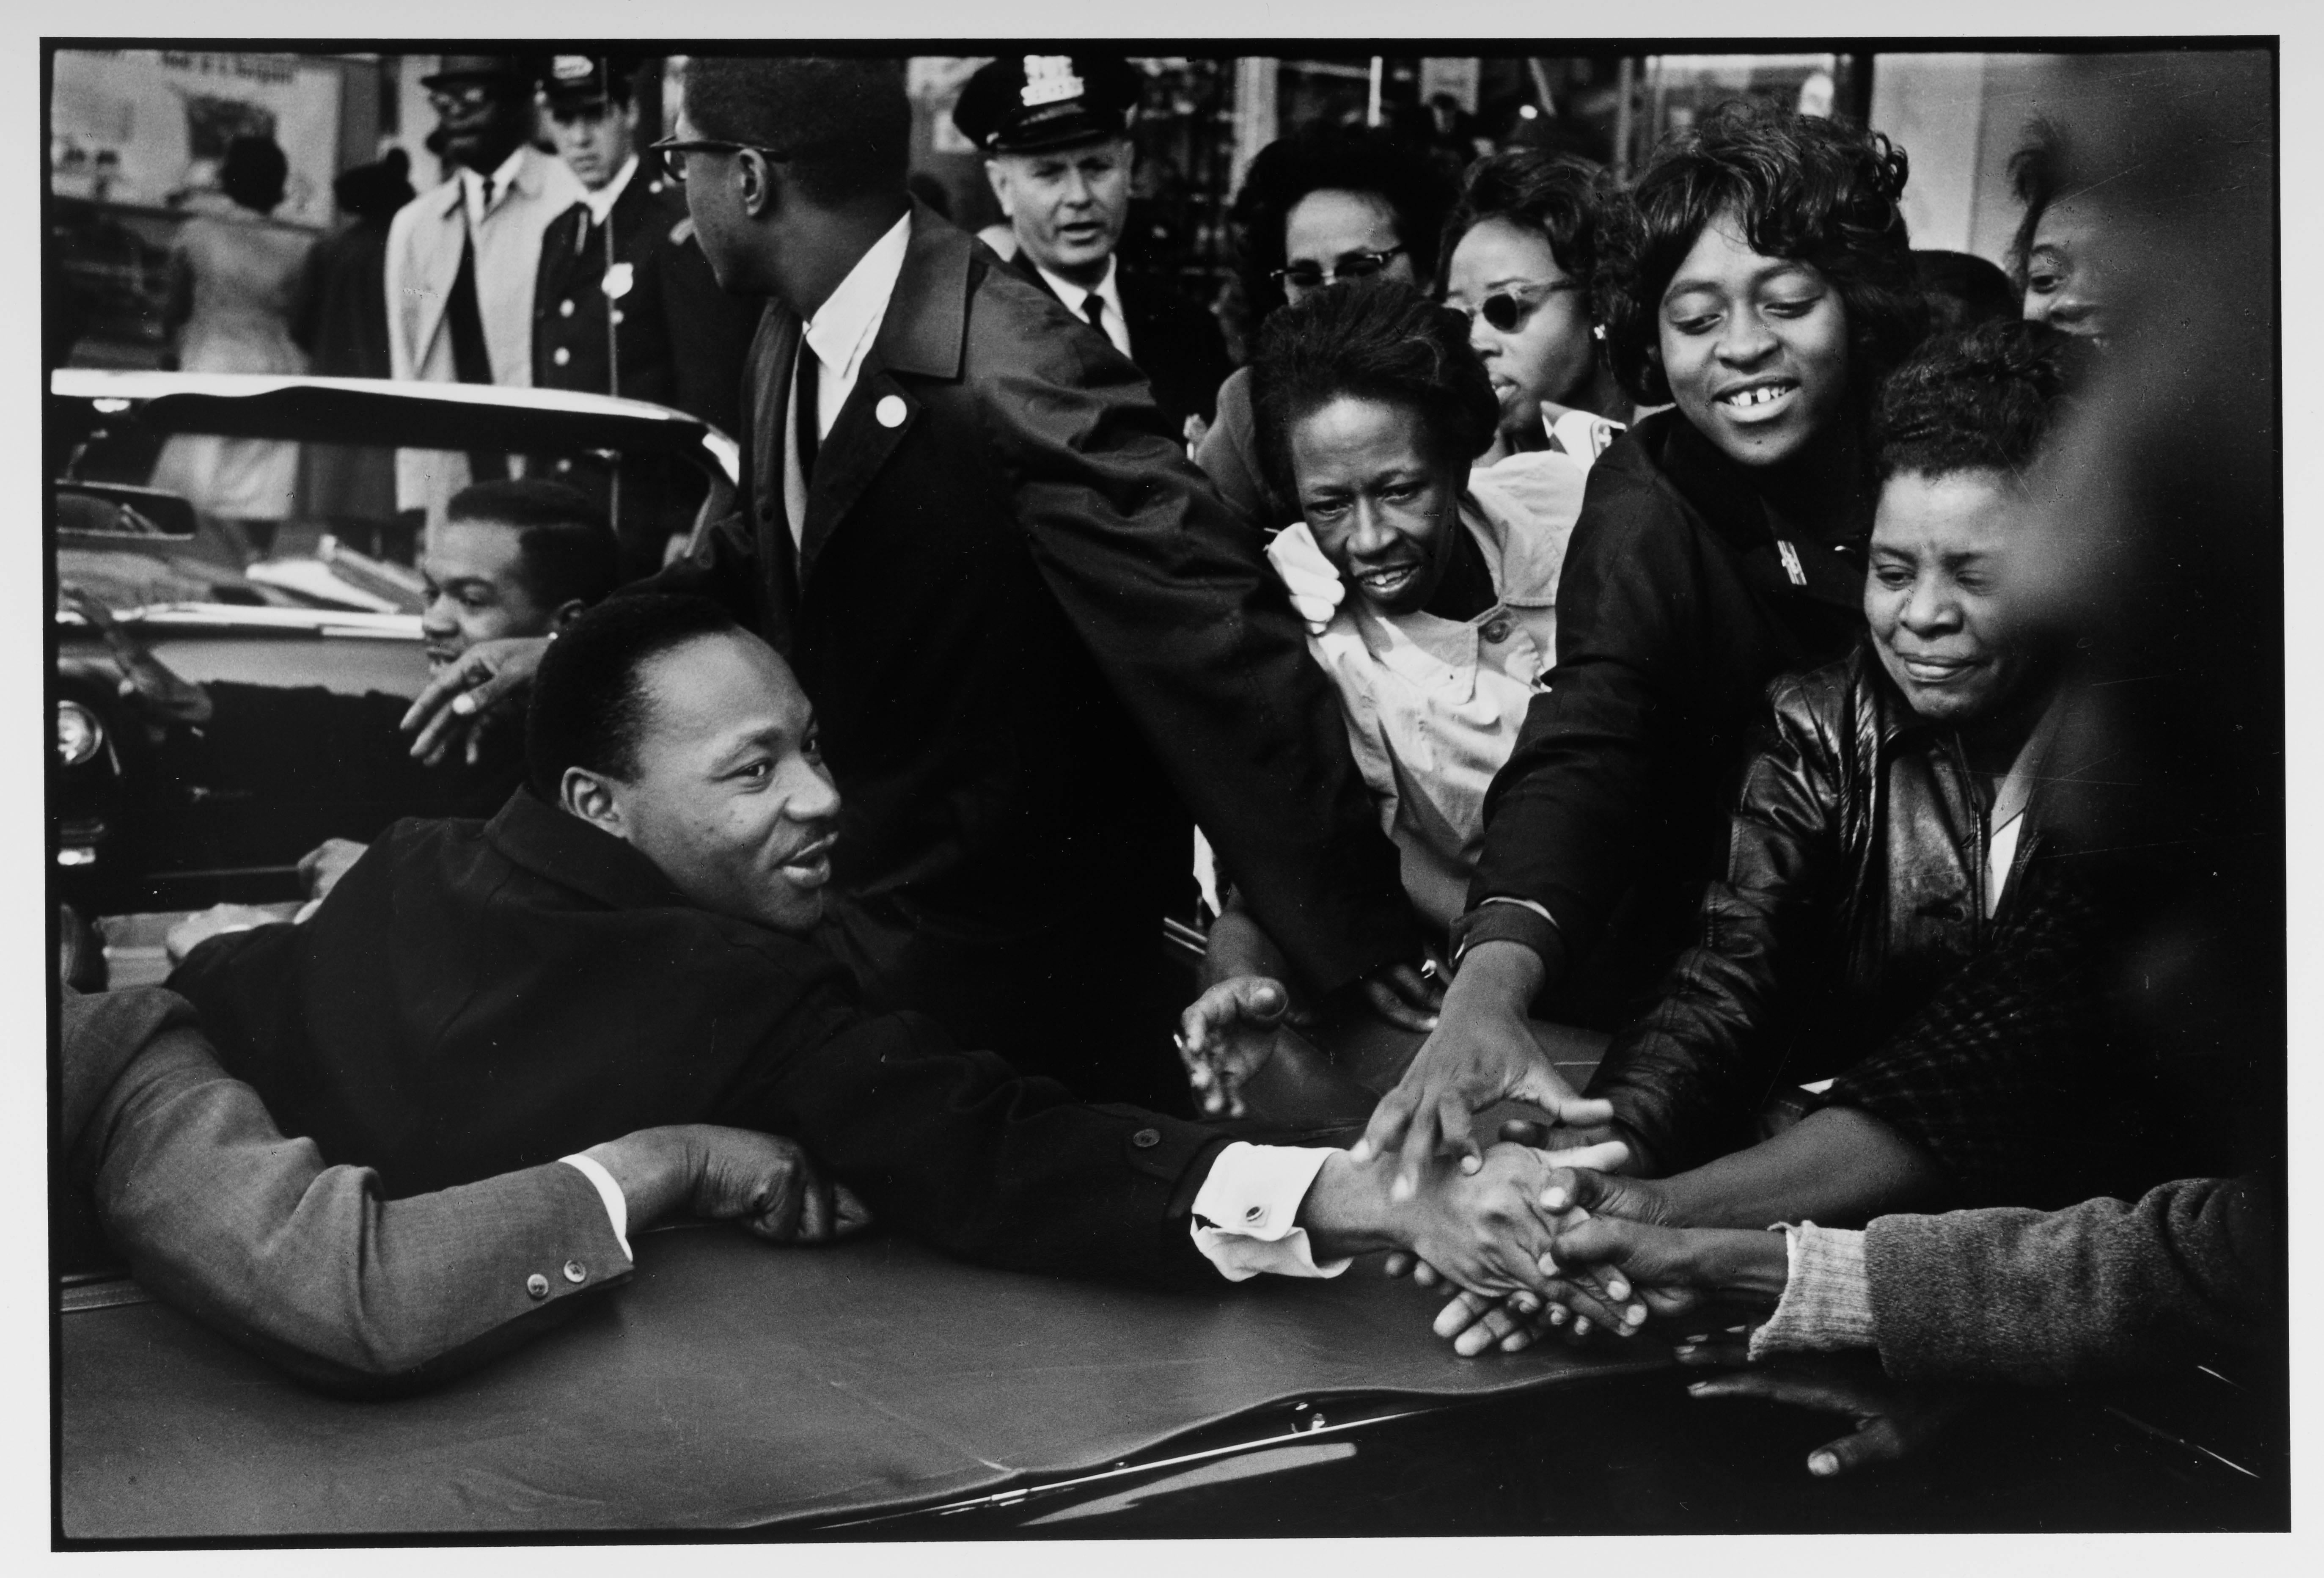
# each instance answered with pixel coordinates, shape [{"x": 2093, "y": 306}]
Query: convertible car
[{"x": 135, "y": 827}]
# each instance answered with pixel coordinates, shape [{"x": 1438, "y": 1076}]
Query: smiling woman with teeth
[{"x": 1759, "y": 279}]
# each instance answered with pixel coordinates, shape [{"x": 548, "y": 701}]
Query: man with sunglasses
[
  {"x": 461, "y": 259},
  {"x": 1054, "y": 132},
  {"x": 1036, "y": 639}
]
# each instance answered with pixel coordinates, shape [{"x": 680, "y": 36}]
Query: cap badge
[
  {"x": 571, "y": 68},
  {"x": 1049, "y": 79}
]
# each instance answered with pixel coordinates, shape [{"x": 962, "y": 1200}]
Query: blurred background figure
[
  {"x": 234, "y": 282},
  {"x": 1054, "y": 132},
  {"x": 1320, "y": 206},
  {"x": 461, "y": 259},
  {"x": 340, "y": 320},
  {"x": 2054, "y": 254}
]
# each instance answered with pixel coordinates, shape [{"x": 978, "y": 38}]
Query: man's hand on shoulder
[{"x": 487, "y": 675}]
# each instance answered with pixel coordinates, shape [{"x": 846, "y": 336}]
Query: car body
[{"x": 134, "y": 825}]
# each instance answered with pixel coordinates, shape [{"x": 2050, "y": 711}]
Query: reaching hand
[
  {"x": 1483, "y": 1230},
  {"x": 1312, "y": 579},
  {"x": 160, "y": 693},
  {"x": 1481, "y": 1053},
  {"x": 485, "y": 676},
  {"x": 1227, "y": 1034},
  {"x": 1893, "y": 1420}
]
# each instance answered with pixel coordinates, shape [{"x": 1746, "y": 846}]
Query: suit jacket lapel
[{"x": 921, "y": 336}]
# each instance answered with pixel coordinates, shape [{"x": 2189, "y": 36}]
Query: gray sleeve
[{"x": 2105, "y": 1289}]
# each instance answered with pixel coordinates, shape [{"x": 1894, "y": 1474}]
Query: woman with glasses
[
  {"x": 1518, "y": 255},
  {"x": 1761, "y": 281},
  {"x": 1317, "y": 207}
]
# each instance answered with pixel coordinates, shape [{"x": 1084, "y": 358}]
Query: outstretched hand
[
  {"x": 764, "y": 1181},
  {"x": 1893, "y": 1420},
  {"x": 1226, "y": 1035},
  {"x": 1481, "y": 1052},
  {"x": 457, "y": 695},
  {"x": 164, "y": 694}
]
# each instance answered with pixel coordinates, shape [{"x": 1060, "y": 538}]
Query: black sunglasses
[
  {"x": 1354, "y": 265},
  {"x": 674, "y": 149},
  {"x": 1506, "y": 310}
]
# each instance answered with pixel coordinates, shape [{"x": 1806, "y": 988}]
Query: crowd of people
[{"x": 1630, "y": 607}]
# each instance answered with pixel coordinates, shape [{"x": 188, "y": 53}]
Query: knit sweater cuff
[{"x": 1827, "y": 1299}]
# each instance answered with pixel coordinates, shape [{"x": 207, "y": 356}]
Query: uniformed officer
[
  {"x": 1054, "y": 132},
  {"x": 624, "y": 303}
]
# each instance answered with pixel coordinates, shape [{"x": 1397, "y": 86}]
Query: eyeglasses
[
  {"x": 453, "y": 95},
  {"x": 1508, "y": 310},
  {"x": 1352, "y": 265},
  {"x": 674, "y": 149}
]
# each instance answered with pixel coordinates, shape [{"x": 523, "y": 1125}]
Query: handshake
[{"x": 1536, "y": 1231}]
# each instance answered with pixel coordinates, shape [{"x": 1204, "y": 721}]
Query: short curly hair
[
  {"x": 1417, "y": 191},
  {"x": 1807, "y": 189},
  {"x": 1373, "y": 340},
  {"x": 845, "y": 125},
  {"x": 1560, "y": 197},
  {"x": 255, "y": 173},
  {"x": 1983, "y": 399}
]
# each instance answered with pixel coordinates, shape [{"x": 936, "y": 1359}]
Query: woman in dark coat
[{"x": 1761, "y": 281}]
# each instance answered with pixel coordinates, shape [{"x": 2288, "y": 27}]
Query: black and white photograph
[{"x": 967, "y": 787}]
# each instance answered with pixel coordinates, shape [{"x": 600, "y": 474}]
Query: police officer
[
  {"x": 624, "y": 303},
  {"x": 1054, "y": 133}
]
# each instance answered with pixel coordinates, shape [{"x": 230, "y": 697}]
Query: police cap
[
  {"x": 573, "y": 82},
  {"x": 1021, "y": 103}
]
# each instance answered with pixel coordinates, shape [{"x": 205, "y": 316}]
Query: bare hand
[
  {"x": 1893, "y": 1420},
  {"x": 1483, "y": 1230},
  {"x": 1227, "y": 1034},
  {"x": 321, "y": 867},
  {"x": 485, "y": 676},
  {"x": 774, "y": 1187},
  {"x": 193, "y": 931},
  {"x": 1481, "y": 1053}
]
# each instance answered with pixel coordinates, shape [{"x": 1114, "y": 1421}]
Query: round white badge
[{"x": 889, "y": 410}]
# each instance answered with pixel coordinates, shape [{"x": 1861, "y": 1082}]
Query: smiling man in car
[{"x": 628, "y": 944}]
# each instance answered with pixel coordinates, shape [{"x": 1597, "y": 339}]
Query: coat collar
[
  {"x": 559, "y": 846},
  {"x": 926, "y": 324}
]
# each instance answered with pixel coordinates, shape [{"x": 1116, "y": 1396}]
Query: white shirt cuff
[
  {"x": 617, "y": 1206},
  {"x": 1246, "y": 1216}
]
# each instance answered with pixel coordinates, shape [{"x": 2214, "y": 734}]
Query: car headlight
[{"x": 79, "y": 734}]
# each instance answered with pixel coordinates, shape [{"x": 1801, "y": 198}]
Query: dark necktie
[
  {"x": 472, "y": 359},
  {"x": 1093, "y": 309},
  {"x": 810, "y": 424}
]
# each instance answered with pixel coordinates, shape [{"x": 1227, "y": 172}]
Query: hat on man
[
  {"x": 576, "y": 82},
  {"x": 1021, "y": 103},
  {"x": 510, "y": 69}
]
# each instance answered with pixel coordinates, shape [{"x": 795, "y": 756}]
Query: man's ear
[
  {"x": 758, "y": 183},
  {"x": 1003, "y": 192},
  {"x": 590, "y": 797}
]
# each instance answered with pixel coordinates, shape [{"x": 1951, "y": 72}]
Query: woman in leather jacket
[{"x": 1760, "y": 280}]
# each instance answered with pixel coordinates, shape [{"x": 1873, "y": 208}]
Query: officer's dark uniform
[
  {"x": 1025, "y": 104},
  {"x": 673, "y": 337}
]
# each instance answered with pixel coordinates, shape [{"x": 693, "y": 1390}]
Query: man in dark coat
[
  {"x": 1053, "y": 129},
  {"x": 626, "y": 944},
  {"x": 1035, "y": 637},
  {"x": 623, "y": 303},
  {"x": 340, "y": 321}
]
